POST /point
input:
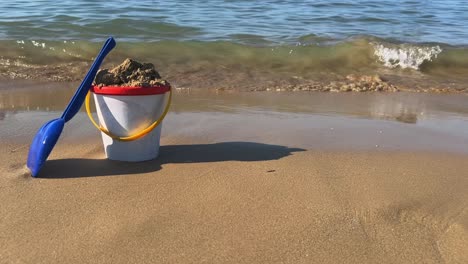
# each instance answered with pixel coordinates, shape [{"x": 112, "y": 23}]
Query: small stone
[
  {"x": 377, "y": 78},
  {"x": 333, "y": 85},
  {"x": 351, "y": 77},
  {"x": 345, "y": 88},
  {"x": 365, "y": 78}
]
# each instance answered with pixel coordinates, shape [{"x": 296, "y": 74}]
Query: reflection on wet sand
[
  {"x": 406, "y": 117},
  {"x": 309, "y": 120},
  {"x": 28, "y": 96},
  {"x": 401, "y": 107},
  {"x": 406, "y": 109}
]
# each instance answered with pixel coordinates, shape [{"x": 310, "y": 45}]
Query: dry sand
[
  {"x": 277, "y": 205},
  {"x": 239, "y": 194}
]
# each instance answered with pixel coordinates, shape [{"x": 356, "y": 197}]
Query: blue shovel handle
[{"x": 77, "y": 100}]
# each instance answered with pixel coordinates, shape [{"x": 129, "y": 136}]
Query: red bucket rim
[{"x": 133, "y": 90}]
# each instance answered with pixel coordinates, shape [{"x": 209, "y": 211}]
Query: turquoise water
[
  {"x": 286, "y": 37},
  {"x": 253, "y": 22}
]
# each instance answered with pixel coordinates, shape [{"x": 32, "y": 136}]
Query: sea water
[{"x": 230, "y": 41}]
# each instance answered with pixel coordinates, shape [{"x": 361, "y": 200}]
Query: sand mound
[{"x": 130, "y": 73}]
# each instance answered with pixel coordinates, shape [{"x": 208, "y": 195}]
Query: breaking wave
[
  {"x": 68, "y": 60},
  {"x": 405, "y": 55}
]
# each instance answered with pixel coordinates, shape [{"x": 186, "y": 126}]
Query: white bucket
[{"x": 127, "y": 115}]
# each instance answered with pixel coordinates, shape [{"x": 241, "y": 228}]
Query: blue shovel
[{"x": 48, "y": 134}]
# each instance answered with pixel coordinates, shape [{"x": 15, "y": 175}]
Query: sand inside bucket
[{"x": 130, "y": 73}]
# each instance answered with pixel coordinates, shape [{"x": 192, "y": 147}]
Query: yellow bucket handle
[{"x": 132, "y": 137}]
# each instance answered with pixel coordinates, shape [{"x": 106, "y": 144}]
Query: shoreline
[
  {"x": 21, "y": 94},
  {"x": 224, "y": 80}
]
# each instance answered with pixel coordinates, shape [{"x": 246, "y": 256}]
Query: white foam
[
  {"x": 405, "y": 56},
  {"x": 38, "y": 44}
]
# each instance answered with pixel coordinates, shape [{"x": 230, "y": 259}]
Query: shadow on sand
[{"x": 225, "y": 151}]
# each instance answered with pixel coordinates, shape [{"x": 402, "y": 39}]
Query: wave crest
[{"x": 405, "y": 56}]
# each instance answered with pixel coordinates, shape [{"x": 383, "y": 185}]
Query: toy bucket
[{"x": 130, "y": 120}]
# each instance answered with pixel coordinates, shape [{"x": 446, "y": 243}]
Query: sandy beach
[
  {"x": 299, "y": 132},
  {"x": 245, "y": 178}
]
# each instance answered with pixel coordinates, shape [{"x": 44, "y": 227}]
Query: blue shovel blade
[
  {"x": 43, "y": 143},
  {"x": 48, "y": 134}
]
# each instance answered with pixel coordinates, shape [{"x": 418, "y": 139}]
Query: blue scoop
[{"x": 49, "y": 133}]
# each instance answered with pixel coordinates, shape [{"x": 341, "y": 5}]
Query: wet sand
[{"x": 245, "y": 178}]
